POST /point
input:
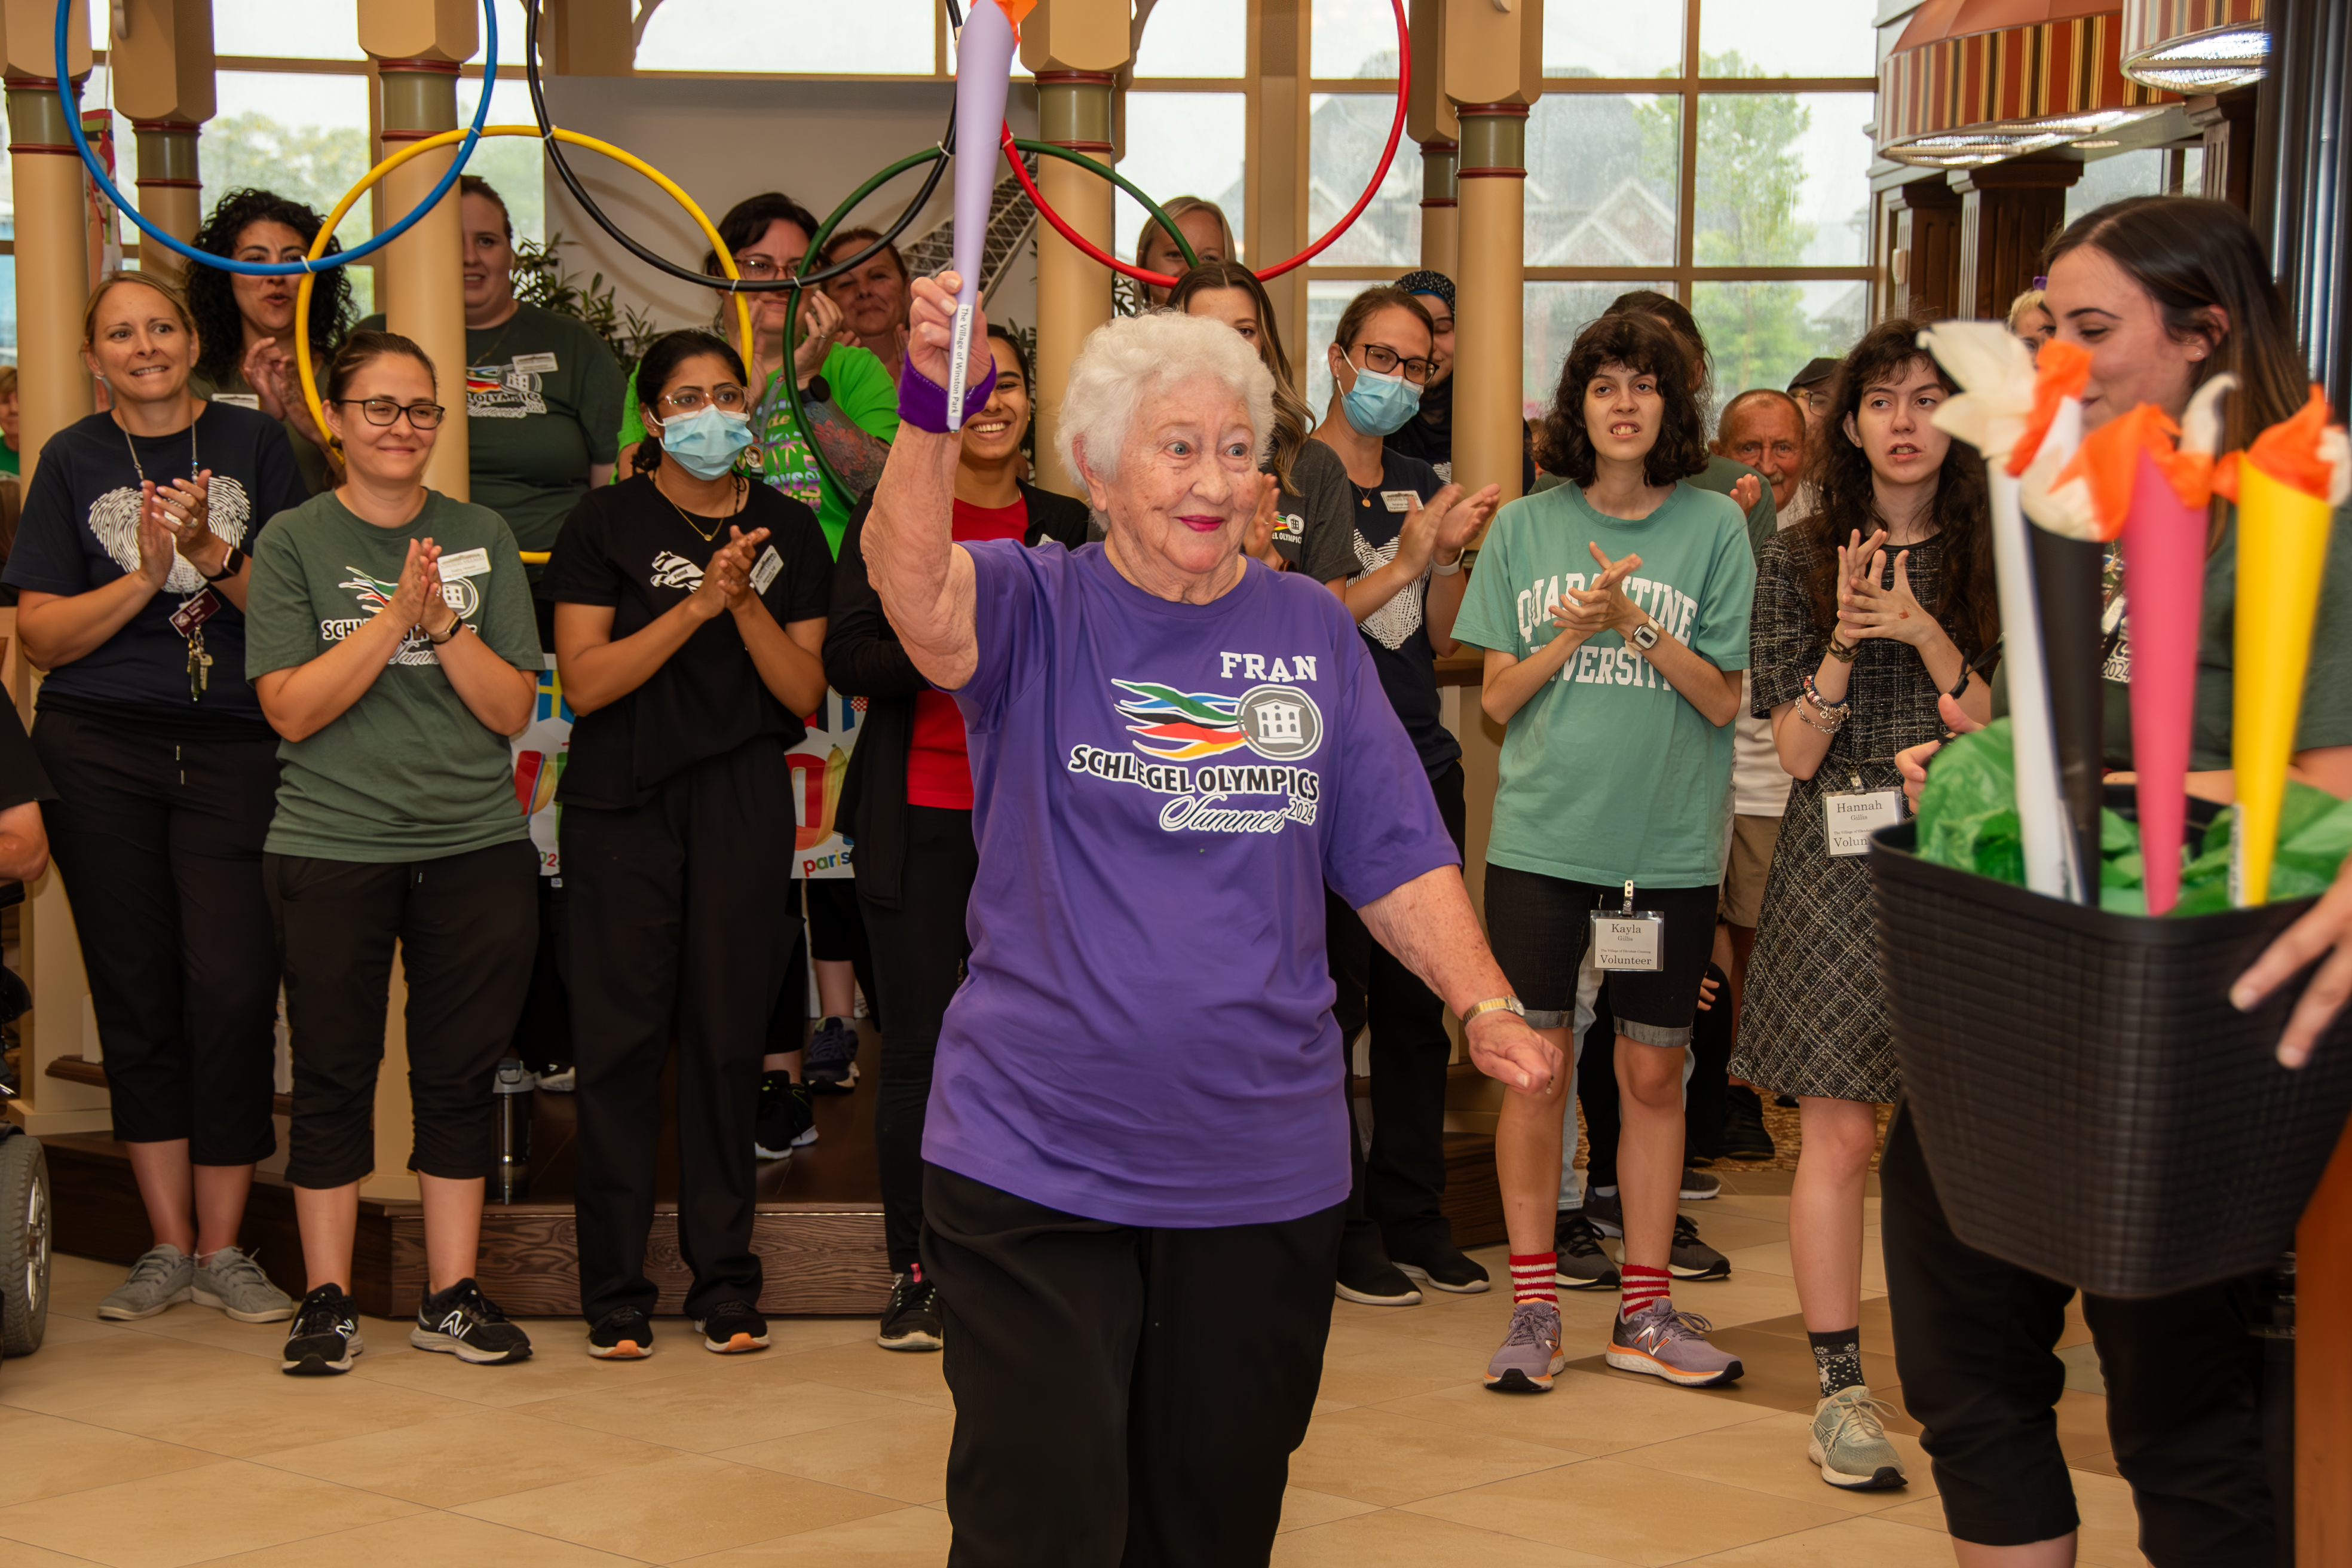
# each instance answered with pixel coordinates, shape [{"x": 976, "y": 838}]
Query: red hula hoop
[{"x": 1162, "y": 279}]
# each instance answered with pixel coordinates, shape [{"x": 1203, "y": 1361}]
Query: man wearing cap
[
  {"x": 1429, "y": 434},
  {"x": 1811, "y": 388}
]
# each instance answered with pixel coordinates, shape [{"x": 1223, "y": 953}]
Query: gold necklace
[{"x": 711, "y": 533}]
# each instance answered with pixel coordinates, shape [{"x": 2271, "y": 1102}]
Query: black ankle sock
[{"x": 1837, "y": 1356}]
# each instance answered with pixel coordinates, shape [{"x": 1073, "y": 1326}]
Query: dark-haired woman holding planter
[
  {"x": 690, "y": 613},
  {"x": 1613, "y": 610}
]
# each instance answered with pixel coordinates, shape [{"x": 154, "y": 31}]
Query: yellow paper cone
[{"x": 2281, "y": 552}]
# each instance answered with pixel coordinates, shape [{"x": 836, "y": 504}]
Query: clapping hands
[{"x": 1601, "y": 604}]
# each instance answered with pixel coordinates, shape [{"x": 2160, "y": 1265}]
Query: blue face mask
[
  {"x": 1379, "y": 405},
  {"x": 706, "y": 441}
]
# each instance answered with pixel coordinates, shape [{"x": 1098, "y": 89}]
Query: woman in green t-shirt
[{"x": 390, "y": 639}]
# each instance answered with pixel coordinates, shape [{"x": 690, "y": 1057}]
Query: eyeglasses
[
  {"x": 385, "y": 411},
  {"x": 1381, "y": 361},
  {"x": 693, "y": 400},
  {"x": 763, "y": 266}
]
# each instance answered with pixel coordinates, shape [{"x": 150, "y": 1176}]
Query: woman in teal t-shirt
[{"x": 1614, "y": 612}]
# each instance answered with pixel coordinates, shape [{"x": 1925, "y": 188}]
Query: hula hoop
[
  {"x": 417, "y": 148},
  {"x": 312, "y": 265},
  {"x": 1264, "y": 275}
]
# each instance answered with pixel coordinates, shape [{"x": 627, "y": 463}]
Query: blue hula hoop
[{"x": 278, "y": 268}]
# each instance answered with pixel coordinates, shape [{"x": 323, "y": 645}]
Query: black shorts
[{"x": 1539, "y": 926}]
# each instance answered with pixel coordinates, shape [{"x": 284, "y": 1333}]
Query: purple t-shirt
[{"x": 1161, "y": 791}]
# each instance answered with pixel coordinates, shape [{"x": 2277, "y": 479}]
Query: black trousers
[
  {"x": 1400, "y": 1184},
  {"x": 919, "y": 949},
  {"x": 679, "y": 928},
  {"x": 1974, "y": 1341},
  {"x": 159, "y": 842},
  {"x": 543, "y": 1037},
  {"x": 465, "y": 924},
  {"x": 1118, "y": 1402}
]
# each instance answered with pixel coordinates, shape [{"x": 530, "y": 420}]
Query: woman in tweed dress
[{"x": 1865, "y": 613}]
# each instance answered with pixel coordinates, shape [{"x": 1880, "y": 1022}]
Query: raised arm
[{"x": 923, "y": 578}]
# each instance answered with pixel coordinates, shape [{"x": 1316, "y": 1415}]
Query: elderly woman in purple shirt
[{"x": 1136, "y": 1152}]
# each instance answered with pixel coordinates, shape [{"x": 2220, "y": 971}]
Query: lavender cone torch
[{"x": 983, "y": 69}]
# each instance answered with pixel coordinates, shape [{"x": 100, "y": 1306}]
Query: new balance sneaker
[
  {"x": 831, "y": 1065},
  {"x": 1691, "y": 1259},
  {"x": 1665, "y": 1343},
  {"x": 1849, "y": 1443},
  {"x": 1530, "y": 1356},
  {"x": 325, "y": 1335},
  {"x": 787, "y": 1121},
  {"x": 1698, "y": 1186},
  {"x": 911, "y": 1320},
  {"x": 733, "y": 1328},
  {"x": 164, "y": 1275},
  {"x": 1606, "y": 1212},
  {"x": 235, "y": 1283},
  {"x": 463, "y": 1323},
  {"x": 1582, "y": 1263},
  {"x": 623, "y": 1334},
  {"x": 1442, "y": 1265}
]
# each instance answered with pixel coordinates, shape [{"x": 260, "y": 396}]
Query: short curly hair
[
  {"x": 1129, "y": 358},
  {"x": 1639, "y": 342},
  {"x": 212, "y": 297}
]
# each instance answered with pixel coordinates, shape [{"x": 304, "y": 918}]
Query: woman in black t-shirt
[
  {"x": 690, "y": 606},
  {"x": 130, "y": 560}
]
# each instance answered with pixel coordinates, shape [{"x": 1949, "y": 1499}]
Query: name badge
[
  {"x": 763, "y": 571},
  {"x": 1851, "y": 818},
  {"x": 535, "y": 364},
  {"x": 465, "y": 563},
  {"x": 1629, "y": 940},
  {"x": 1400, "y": 501},
  {"x": 241, "y": 399},
  {"x": 195, "y": 612}
]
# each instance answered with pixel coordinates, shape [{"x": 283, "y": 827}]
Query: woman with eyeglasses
[
  {"x": 392, "y": 648},
  {"x": 690, "y": 612},
  {"x": 130, "y": 559}
]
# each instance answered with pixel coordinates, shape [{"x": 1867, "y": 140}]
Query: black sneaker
[
  {"x": 1743, "y": 1134},
  {"x": 831, "y": 1065},
  {"x": 733, "y": 1327},
  {"x": 1442, "y": 1265},
  {"x": 1605, "y": 1212},
  {"x": 911, "y": 1320},
  {"x": 463, "y": 1323},
  {"x": 1581, "y": 1263},
  {"x": 786, "y": 1121},
  {"x": 324, "y": 1337},
  {"x": 1365, "y": 1274},
  {"x": 1700, "y": 1185},
  {"x": 621, "y": 1334},
  {"x": 1691, "y": 1259}
]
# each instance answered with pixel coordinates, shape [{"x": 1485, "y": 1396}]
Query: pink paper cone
[{"x": 2164, "y": 589}]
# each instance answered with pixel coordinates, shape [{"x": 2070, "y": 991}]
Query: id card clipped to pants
[
  {"x": 1628, "y": 938},
  {"x": 1850, "y": 816}
]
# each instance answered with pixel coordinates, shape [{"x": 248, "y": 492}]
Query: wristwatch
[
  {"x": 1492, "y": 1005},
  {"x": 818, "y": 390},
  {"x": 457, "y": 625},
  {"x": 1646, "y": 635},
  {"x": 229, "y": 563}
]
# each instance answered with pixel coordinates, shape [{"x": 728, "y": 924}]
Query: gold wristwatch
[{"x": 1492, "y": 1005}]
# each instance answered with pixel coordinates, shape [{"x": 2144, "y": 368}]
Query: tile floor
[{"x": 176, "y": 1441}]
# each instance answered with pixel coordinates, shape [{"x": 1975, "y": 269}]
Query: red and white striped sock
[
  {"x": 1531, "y": 1277},
  {"x": 1643, "y": 1287}
]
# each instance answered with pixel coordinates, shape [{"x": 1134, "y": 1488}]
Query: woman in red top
[{"x": 907, "y": 804}]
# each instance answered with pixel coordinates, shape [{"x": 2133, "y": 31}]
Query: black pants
[
  {"x": 543, "y": 1037},
  {"x": 1400, "y": 1184},
  {"x": 835, "y": 934},
  {"x": 1703, "y": 1099},
  {"x": 919, "y": 949},
  {"x": 1118, "y": 1401},
  {"x": 679, "y": 926},
  {"x": 1973, "y": 1344},
  {"x": 465, "y": 924},
  {"x": 159, "y": 842}
]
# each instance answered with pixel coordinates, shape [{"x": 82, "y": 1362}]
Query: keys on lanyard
[
  {"x": 200, "y": 668},
  {"x": 189, "y": 620},
  {"x": 1628, "y": 938}
]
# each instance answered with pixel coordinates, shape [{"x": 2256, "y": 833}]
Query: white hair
[{"x": 1126, "y": 359}]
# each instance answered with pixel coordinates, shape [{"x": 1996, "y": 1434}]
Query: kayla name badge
[
  {"x": 1629, "y": 938},
  {"x": 1851, "y": 818}
]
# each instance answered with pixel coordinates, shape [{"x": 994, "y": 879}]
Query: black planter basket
[{"x": 2091, "y": 1105}]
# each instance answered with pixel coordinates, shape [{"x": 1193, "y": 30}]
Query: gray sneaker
[
  {"x": 1665, "y": 1343},
  {"x": 1580, "y": 1262},
  {"x": 1690, "y": 1258},
  {"x": 1850, "y": 1445},
  {"x": 161, "y": 1276},
  {"x": 235, "y": 1283},
  {"x": 1530, "y": 1356}
]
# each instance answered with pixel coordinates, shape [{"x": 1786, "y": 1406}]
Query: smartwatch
[
  {"x": 229, "y": 564},
  {"x": 457, "y": 625},
  {"x": 1646, "y": 635}
]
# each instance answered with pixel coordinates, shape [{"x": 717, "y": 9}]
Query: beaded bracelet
[
  {"x": 1823, "y": 703},
  {"x": 1834, "y": 715}
]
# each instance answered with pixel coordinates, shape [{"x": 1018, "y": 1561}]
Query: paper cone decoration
[
  {"x": 2286, "y": 486},
  {"x": 1998, "y": 406},
  {"x": 984, "y": 70}
]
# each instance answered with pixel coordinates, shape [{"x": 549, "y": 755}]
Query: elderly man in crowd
[{"x": 1137, "y": 1153}]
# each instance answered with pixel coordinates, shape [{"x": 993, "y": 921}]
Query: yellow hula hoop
[{"x": 450, "y": 139}]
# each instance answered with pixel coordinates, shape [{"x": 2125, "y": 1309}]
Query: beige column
[
  {"x": 417, "y": 46},
  {"x": 162, "y": 68},
  {"x": 1441, "y": 207},
  {"x": 52, "y": 282},
  {"x": 590, "y": 37},
  {"x": 1275, "y": 211},
  {"x": 1075, "y": 48},
  {"x": 1429, "y": 120},
  {"x": 1494, "y": 71}
]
